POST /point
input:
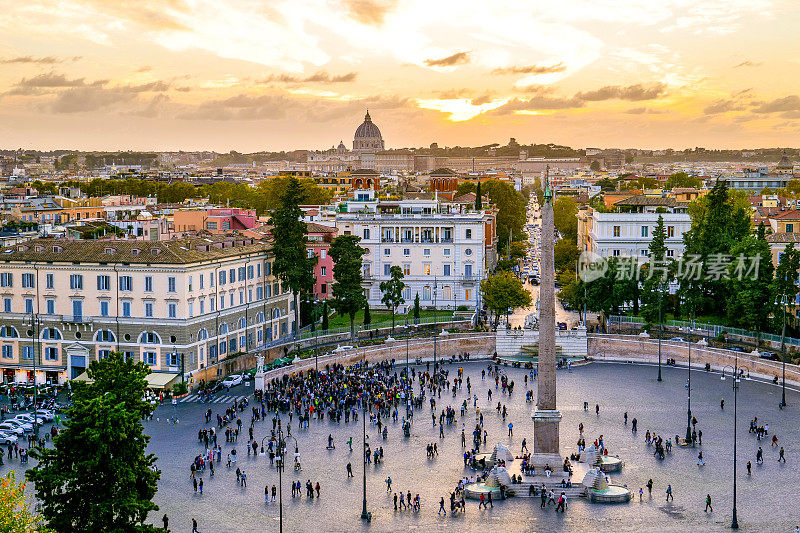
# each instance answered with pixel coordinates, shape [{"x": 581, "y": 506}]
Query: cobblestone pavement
[{"x": 767, "y": 499}]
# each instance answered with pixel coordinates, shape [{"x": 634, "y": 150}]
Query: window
[
  {"x": 201, "y": 281},
  {"x": 105, "y": 335},
  {"x": 241, "y": 296},
  {"x": 202, "y": 334},
  {"x": 126, "y": 309},
  {"x": 29, "y": 305},
  {"x": 468, "y": 270},
  {"x": 249, "y": 271},
  {"x": 789, "y": 229},
  {"x": 615, "y": 253},
  {"x": 366, "y": 233},
  {"x": 190, "y": 283},
  {"x": 103, "y": 354},
  {"x": 8, "y": 351},
  {"x": 27, "y": 352},
  {"x": 426, "y": 293},
  {"x": 149, "y": 337},
  {"x": 259, "y": 292},
  {"x": 171, "y": 284},
  {"x": 268, "y": 269},
  {"x": 172, "y": 310},
  {"x": 76, "y": 282},
  {"x": 230, "y": 299},
  {"x": 6, "y": 279},
  {"x": 387, "y": 269},
  {"x": 645, "y": 231},
  {"x": 446, "y": 270},
  {"x": 387, "y": 251},
  {"x": 468, "y": 234},
  {"x": 50, "y": 304},
  {"x": 173, "y": 359},
  {"x": 242, "y": 275},
  {"x": 222, "y": 301},
  {"x": 211, "y": 303},
  {"x": 468, "y": 294},
  {"x": 426, "y": 252},
  {"x": 448, "y": 293},
  {"x": 27, "y": 281},
  {"x": 103, "y": 283},
  {"x": 148, "y": 309},
  {"x": 149, "y": 358},
  {"x": 211, "y": 225},
  {"x": 232, "y": 275},
  {"x": 222, "y": 275},
  {"x": 9, "y": 332},
  {"x": 51, "y": 353},
  {"x": 223, "y": 347},
  {"x": 406, "y": 251},
  {"x": 202, "y": 306},
  {"x": 616, "y": 231},
  {"x": 7, "y": 305},
  {"x": 406, "y": 269},
  {"x": 77, "y": 309},
  {"x": 148, "y": 283},
  {"x": 670, "y": 231},
  {"x": 447, "y": 252},
  {"x": 323, "y": 288},
  {"x": 468, "y": 251},
  {"x": 51, "y": 334},
  {"x": 670, "y": 253},
  {"x": 48, "y": 280},
  {"x": 323, "y": 271},
  {"x": 323, "y": 254},
  {"x": 191, "y": 309},
  {"x": 426, "y": 269},
  {"x": 125, "y": 283}
]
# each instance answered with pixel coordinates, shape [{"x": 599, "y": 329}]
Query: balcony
[{"x": 76, "y": 319}]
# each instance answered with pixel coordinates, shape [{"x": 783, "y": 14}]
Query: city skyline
[{"x": 249, "y": 77}]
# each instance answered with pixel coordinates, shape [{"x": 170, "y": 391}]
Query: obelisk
[{"x": 546, "y": 418}]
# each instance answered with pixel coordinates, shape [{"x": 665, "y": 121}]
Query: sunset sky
[{"x": 253, "y": 75}]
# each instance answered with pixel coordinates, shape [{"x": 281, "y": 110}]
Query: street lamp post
[
  {"x": 659, "y": 337},
  {"x": 365, "y": 515},
  {"x": 734, "y": 519},
  {"x": 435, "y": 326},
  {"x": 783, "y": 353},
  {"x": 279, "y": 465},
  {"x": 35, "y": 321},
  {"x": 689, "y": 398}
]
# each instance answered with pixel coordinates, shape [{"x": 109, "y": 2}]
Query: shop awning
[{"x": 156, "y": 380}]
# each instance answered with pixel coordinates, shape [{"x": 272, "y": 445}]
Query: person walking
[
  {"x": 781, "y": 458},
  {"x": 266, "y": 492},
  {"x": 201, "y": 486},
  {"x": 510, "y": 429},
  {"x": 194, "y": 526},
  {"x": 482, "y": 502},
  {"x": 650, "y": 487},
  {"x": 524, "y": 446},
  {"x": 441, "y": 507},
  {"x": 669, "y": 493},
  {"x": 759, "y": 456},
  {"x": 562, "y": 502},
  {"x": 350, "y": 470},
  {"x": 543, "y": 494},
  {"x": 708, "y": 503},
  {"x": 700, "y": 461},
  {"x": 165, "y": 520}
]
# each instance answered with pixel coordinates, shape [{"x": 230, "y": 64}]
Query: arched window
[
  {"x": 223, "y": 329},
  {"x": 242, "y": 323},
  {"x": 276, "y": 313},
  {"x": 149, "y": 337},
  {"x": 105, "y": 335},
  {"x": 9, "y": 332},
  {"x": 202, "y": 334},
  {"x": 51, "y": 334},
  {"x": 259, "y": 318}
]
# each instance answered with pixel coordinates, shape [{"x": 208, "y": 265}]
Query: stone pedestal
[{"x": 259, "y": 377}]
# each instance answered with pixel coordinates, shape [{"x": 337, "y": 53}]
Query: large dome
[
  {"x": 368, "y": 137},
  {"x": 368, "y": 129}
]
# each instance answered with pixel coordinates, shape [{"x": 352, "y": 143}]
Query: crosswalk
[{"x": 214, "y": 399}]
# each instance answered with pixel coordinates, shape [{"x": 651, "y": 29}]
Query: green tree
[
  {"x": 565, "y": 210},
  {"x": 751, "y": 300},
  {"x": 325, "y": 325},
  {"x": 367, "y": 315},
  {"x": 511, "y": 214},
  {"x": 682, "y": 179},
  {"x": 566, "y": 255},
  {"x": 416, "y": 309},
  {"x": 504, "y": 291},
  {"x": 478, "y": 200},
  {"x": 99, "y": 477},
  {"x": 392, "y": 290},
  {"x": 466, "y": 187},
  {"x": 293, "y": 265},
  {"x": 720, "y": 220},
  {"x": 347, "y": 292},
  {"x": 656, "y": 275},
  {"x": 784, "y": 286}
]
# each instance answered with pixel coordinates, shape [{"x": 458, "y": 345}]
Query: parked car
[
  {"x": 736, "y": 349},
  {"x": 28, "y": 419},
  {"x": 11, "y": 428},
  {"x": 7, "y": 438},
  {"x": 46, "y": 414},
  {"x": 343, "y": 348},
  {"x": 232, "y": 381},
  {"x": 678, "y": 339},
  {"x": 24, "y": 426},
  {"x": 772, "y": 356}
]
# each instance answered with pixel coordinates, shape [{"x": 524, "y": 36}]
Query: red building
[
  {"x": 320, "y": 238},
  {"x": 365, "y": 179}
]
